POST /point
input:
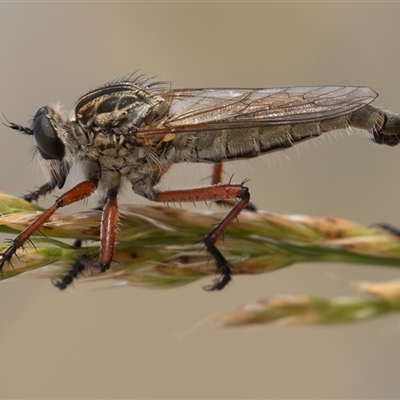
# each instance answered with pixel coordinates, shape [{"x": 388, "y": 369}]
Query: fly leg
[
  {"x": 77, "y": 269},
  {"x": 213, "y": 193},
  {"x": 82, "y": 263},
  {"x": 217, "y": 174},
  {"x": 108, "y": 235},
  {"x": 48, "y": 187},
  {"x": 392, "y": 230},
  {"x": 58, "y": 174},
  {"x": 217, "y": 179},
  {"x": 79, "y": 192}
]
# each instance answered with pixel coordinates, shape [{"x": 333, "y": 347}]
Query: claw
[{"x": 219, "y": 283}]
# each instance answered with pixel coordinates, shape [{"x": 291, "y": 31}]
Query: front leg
[
  {"x": 79, "y": 192},
  {"x": 58, "y": 174},
  {"x": 48, "y": 187}
]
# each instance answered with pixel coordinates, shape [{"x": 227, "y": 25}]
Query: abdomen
[{"x": 235, "y": 143}]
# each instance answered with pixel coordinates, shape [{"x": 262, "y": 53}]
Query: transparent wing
[{"x": 205, "y": 109}]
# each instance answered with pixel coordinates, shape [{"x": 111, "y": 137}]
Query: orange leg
[
  {"x": 213, "y": 193},
  {"x": 79, "y": 192},
  {"x": 217, "y": 174},
  {"x": 217, "y": 179},
  {"x": 108, "y": 236},
  {"x": 109, "y": 227}
]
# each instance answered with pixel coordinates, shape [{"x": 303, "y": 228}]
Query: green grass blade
[{"x": 161, "y": 246}]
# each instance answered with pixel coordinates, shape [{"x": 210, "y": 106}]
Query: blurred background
[{"x": 136, "y": 342}]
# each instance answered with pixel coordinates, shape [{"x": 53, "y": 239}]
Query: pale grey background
[{"x": 133, "y": 342}]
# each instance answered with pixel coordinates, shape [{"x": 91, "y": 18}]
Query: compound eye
[{"x": 50, "y": 145}]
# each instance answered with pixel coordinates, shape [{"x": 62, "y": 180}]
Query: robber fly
[{"x": 134, "y": 129}]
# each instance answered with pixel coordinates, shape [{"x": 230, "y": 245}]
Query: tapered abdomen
[{"x": 228, "y": 144}]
